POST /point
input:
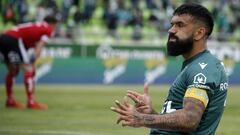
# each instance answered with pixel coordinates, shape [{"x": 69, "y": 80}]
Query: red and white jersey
[{"x": 31, "y": 33}]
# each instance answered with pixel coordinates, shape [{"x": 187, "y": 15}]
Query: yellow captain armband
[{"x": 197, "y": 93}]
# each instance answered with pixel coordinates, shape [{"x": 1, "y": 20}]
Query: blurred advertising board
[{"x": 105, "y": 64}]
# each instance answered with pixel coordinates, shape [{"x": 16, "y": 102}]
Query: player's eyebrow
[
  {"x": 178, "y": 23},
  {"x": 179, "y": 20}
]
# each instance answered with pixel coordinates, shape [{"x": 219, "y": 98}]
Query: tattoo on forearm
[
  {"x": 137, "y": 119},
  {"x": 136, "y": 116},
  {"x": 148, "y": 119},
  {"x": 181, "y": 120}
]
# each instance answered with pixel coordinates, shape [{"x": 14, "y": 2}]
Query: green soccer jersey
[{"x": 202, "y": 71}]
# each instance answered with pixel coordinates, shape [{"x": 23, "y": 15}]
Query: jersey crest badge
[
  {"x": 200, "y": 78},
  {"x": 202, "y": 65}
]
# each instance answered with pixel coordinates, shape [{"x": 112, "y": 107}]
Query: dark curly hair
[
  {"x": 199, "y": 13},
  {"x": 50, "y": 19}
]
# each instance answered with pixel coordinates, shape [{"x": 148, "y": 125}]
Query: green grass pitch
[{"x": 85, "y": 110}]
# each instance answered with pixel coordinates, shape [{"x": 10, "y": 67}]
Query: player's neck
[{"x": 198, "y": 47}]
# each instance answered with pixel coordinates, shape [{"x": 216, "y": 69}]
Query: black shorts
[{"x": 12, "y": 50}]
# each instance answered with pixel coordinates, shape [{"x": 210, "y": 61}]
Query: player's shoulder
[
  {"x": 205, "y": 69},
  {"x": 43, "y": 27},
  {"x": 206, "y": 72},
  {"x": 206, "y": 63}
]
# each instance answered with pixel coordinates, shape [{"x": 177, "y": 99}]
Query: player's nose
[{"x": 172, "y": 30}]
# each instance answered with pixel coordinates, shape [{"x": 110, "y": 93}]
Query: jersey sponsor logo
[
  {"x": 202, "y": 65},
  {"x": 223, "y": 86},
  {"x": 200, "y": 78},
  {"x": 199, "y": 86}
]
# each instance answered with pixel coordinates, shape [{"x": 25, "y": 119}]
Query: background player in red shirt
[{"x": 14, "y": 46}]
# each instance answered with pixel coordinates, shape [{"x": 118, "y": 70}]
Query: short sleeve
[
  {"x": 45, "y": 38},
  {"x": 47, "y": 34},
  {"x": 206, "y": 78}
]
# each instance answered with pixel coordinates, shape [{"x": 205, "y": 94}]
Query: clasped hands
[{"x": 133, "y": 115}]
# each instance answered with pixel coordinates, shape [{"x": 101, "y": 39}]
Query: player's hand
[
  {"x": 143, "y": 102},
  {"x": 129, "y": 116}
]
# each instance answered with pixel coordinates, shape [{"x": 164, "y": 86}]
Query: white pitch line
[{"x": 48, "y": 132}]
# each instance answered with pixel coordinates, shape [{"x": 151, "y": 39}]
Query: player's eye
[{"x": 179, "y": 24}]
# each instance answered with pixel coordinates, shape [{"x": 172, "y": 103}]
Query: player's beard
[{"x": 179, "y": 46}]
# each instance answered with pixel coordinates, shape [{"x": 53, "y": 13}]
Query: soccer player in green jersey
[{"x": 196, "y": 99}]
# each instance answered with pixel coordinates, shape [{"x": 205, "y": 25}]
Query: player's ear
[{"x": 199, "y": 33}]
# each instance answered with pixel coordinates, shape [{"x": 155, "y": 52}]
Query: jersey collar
[{"x": 186, "y": 62}]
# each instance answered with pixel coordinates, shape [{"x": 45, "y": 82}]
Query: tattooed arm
[{"x": 186, "y": 119}]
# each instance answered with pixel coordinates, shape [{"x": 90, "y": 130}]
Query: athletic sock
[
  {"x": 29, "y": 84},
  {"x": 9, "y": 82}
]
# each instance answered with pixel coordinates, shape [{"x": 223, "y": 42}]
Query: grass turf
[{"x": 85, "y": 110}]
